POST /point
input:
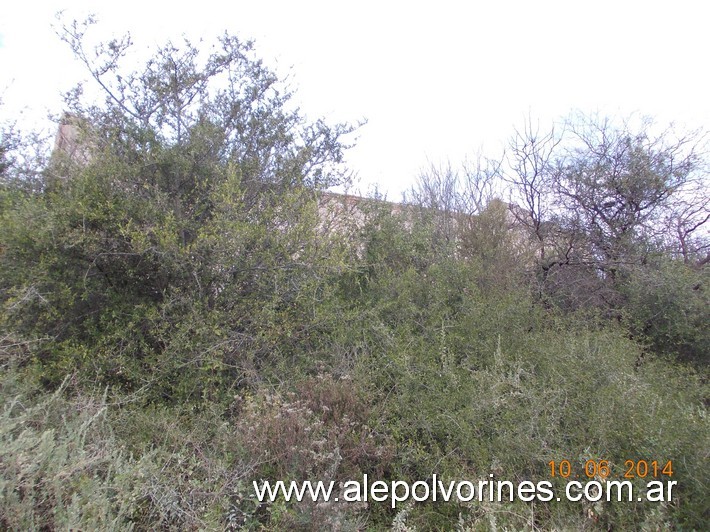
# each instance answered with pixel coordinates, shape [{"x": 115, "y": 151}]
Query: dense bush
[
  {"x": 177, "y": 322},
  {"x": 670, "y": 309}
]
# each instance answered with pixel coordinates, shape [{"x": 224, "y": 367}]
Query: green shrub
[{"x": 61, "y": 466}]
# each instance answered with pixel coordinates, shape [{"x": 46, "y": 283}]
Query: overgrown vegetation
[{"x": 178, "y": 320}]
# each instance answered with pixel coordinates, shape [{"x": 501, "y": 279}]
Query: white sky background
[{"x": 435, "y": 80}]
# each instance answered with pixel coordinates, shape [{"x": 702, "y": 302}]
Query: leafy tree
[
  {"x": 5, "y": 160},
  {"x": 185, "y": 234},
  {"x": 618, "y": 181},
  {"x": 184, "y": 117},
  {"x": 23, "y": 159}
]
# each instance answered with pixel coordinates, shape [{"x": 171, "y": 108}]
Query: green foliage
[
  {"x": 178, "y": 262},
  {"x": 180, "y": 251},
  {"x": 62, "y": 468},
  {"x": 6, "y": 146},
  {"x": 669, "y": 307}
]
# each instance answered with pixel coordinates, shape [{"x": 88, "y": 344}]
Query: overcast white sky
[{"x": 435, "y": 80}]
